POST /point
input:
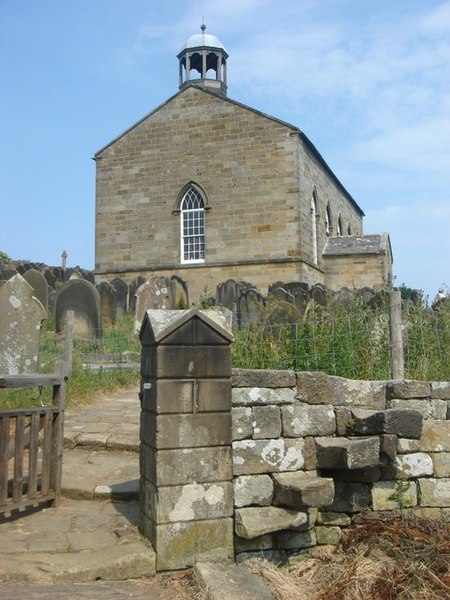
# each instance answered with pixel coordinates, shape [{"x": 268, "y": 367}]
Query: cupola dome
[{"x": 206, "y": 55}]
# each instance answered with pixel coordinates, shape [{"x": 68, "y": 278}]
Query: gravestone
[
  {"x": 343, "y": 298},
  {"x": 300, "y": 291},
  {"x": 21, "y": 319},
  {"x": 49, "y": 277},
  {"x": 281, "y": 294},
  {"x": 250, "y": 305},
  {"x": 107, "y": 302},
  {"x": 318, "y": 294},
  {"x": 282, "y": 313},
  {"x": 366, "y": 293},
  {"x": 132, "y": 289},
  {"x": 180, "y": 292},
  {"x": 156, "y": 293},
  {"x": 88, "y": 275},
  {"x": 228, "y": 293},
  {"x": 51, "y": 300},
  {"x": 121, "y": 295},
  {"x": 58, "y": 273},
  {"x": 74, "y": 274},
  {"x": 39, "y": 284},
  {"x": 80, "y": 296}
]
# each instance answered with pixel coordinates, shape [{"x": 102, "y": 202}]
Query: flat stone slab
[
  {"x": 89, "y": 474},
  {"x": 80, "y": 591},
  {"x": 229, "y": 582},
  {"x": 109, "y": 423},
  {"x": 160, "y": 587},
  {"x": 299, "y": 489},
  {"x": 256, "y": 521},
  {"x": 344, "y": 453},
  {"x": 78, "y": 541}
]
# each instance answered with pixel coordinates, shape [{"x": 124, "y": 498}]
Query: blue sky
[{"x": 368, "y": 82}]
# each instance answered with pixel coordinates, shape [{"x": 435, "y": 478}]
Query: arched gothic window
[
  {"x": 339, "y": 226},
  {"x": 328, "y": 225},
  {"x": 314, "y": 216},
  {"x": 192, "y": 225}
]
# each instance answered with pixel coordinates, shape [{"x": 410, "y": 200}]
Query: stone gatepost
[{"x": 186, "y": 491}]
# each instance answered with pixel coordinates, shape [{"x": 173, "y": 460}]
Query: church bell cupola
[{"x": 203, "y": 62}]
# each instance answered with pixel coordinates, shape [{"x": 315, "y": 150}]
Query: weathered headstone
[
  {"x": 250, "y": 304},
  {"x": 120, "y": 289},
  {"x": 280, "y": 293},
  {"x": 107, "y": 302},
  {"x": 300, "y": 291},
  {"x": 180, "y": 292},
  {"x": 156, "y": 293},
  {"x": 343, "y": 298},
  {"x": 318, "y": 294},
  {"x": 81, "y": 297},
  {"x": 39, "y": 284},
  {"x": 132, "y": 289},
  {"x": 49, "y": 277},
  {"x": 228, "y": 294},
  {"x": 21, "y": 318},
  {"x": 75, "y": 274},
  {"x": 281, "y": 313},
  {"x": 57, "y": 273}
]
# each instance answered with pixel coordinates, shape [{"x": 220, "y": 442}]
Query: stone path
[
  {"x": 61, "y": 552},
  {"x": 81, "y": 540}
]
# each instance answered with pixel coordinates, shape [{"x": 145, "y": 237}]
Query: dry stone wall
[{"x": 311, "y": 451}]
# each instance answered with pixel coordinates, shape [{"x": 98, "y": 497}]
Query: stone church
[{"x": 208, "y": 189}]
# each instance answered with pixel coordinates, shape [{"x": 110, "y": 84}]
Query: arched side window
[
  {"x": 328, "y": 225},
  {"x": 314, "y": 217},
  {"x": 349, "y": 229},
  {"x": 192, "y": 224},
  {"x": 339, "y": 226}
]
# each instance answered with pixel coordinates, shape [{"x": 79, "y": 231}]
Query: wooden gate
[{"x": 31, "y": 446}]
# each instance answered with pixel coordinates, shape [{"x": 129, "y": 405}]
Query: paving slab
[
  {"x": 87, "y": 471},
  {"x": 109, "y": 422},
  {"x": 160, "y": 587},
  {"x": 77, "y": 541},
  {"x": 227, "y": 581}
]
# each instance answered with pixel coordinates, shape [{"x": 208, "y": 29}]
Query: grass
[
  {"x": 83, "y": 384},
  {"x": 351, "y": 342}
]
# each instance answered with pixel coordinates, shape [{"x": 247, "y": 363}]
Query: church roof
[{"x": 361, "y": 244}]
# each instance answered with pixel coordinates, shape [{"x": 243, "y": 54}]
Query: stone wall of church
[
  {"x": 315, "y": 179},
  {"x": 246, "y": 165},
  {"x": 374, "y": 271},
  {"x": 257, "y": 176}
]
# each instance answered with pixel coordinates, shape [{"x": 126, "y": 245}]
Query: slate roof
[{"x": 361, "y": 244}]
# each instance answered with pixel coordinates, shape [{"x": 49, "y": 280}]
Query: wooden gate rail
[{"x": 31, "y": 446}]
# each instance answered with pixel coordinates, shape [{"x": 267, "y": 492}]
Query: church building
[{"x": 208, "y": 189}]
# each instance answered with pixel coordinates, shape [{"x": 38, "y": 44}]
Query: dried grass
[{"x": 395, "y": 559}]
